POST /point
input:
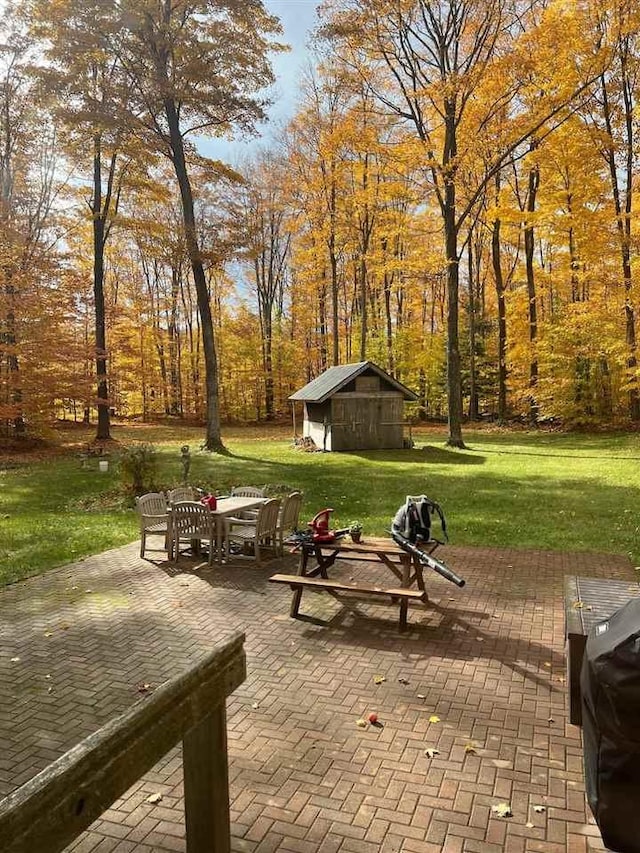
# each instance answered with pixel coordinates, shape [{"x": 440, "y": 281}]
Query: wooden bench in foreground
[{"x": 47, "y": 813}]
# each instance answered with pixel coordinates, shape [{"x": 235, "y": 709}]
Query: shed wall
[{"x": 314, "y": 426}]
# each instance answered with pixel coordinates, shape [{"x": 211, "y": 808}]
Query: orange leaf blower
[{"x": 320, "y": 528}]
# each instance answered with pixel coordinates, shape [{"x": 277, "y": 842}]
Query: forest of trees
[{"x": 454, "y": 199}]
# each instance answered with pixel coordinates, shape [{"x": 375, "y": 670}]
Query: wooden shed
[{"x": 354, "y": 407}]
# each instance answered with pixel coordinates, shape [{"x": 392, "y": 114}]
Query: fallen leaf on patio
[
  {"x": 588, "y": 607},
  {"x": 50, "y": 690},
  {"x": 578, "y": 605},
  {"x": 378, "y": 679},
  {"x": 47, "y": 676},
  {"x": 144, "y": 688},
  {"x": 75, "y": 587},
  {"x": 547, "y": 663},
  {"x": 15, "y": 660},
  {"x": 421, "y": 696},
  {"x": 88, "y": 590},
  {"x": 64, "y": 627},
  {"x": 153, "y": 799},
  {"x": 551, "y": 720},
  {"x": 470, "y": 749},
  {"x": 529, "y": 825},
  {"x": 255, "y": 706},
  {"x": 539, "y": 809},
  {"x": 494, "y": 616},
  {"x": 434, "y": 718},
  {"x": 502, "y": 810},
  {"x": 361, "y": 723},
  {"x": 430, "y": 752},
  {"x": 403, "y": 680},
  {"x": 49, "y": 634}
]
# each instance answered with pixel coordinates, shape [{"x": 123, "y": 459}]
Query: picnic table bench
[
  {"x": 588, "y": 601},
  {"x": 407, "y": 569}
]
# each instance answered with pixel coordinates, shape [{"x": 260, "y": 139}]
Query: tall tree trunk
[
  {"x": 473, "y": 388},
  {"x": 502, "y": 314},
  {"x": 333, "y": 260},
  {"x": 213, "y": 439},
  {"x": 532, "y": 309},
  {"x": 454, "y": 384},
  {"x": 322, "y": 318},
  {"x": 99, "y": 238},
  {"x": 623, "y": 220}
]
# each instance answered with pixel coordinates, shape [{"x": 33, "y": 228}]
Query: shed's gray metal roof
[{"x": 335, "y": 378}]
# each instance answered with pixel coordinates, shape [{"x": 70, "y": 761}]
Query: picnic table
[
  {"x": 588, "y": 601},
  {"x": 406, "y": 569}
]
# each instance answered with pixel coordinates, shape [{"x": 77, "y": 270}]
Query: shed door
[{"x": 366, "y": 423}]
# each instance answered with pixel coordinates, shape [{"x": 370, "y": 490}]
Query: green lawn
[{"x": 546, "y": 491}]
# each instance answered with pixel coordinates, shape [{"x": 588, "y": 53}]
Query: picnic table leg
[
  {"x": 404, "y": 608},
  {"x": 296, "y": 595}
]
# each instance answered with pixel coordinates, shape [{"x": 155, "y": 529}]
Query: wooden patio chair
[
  {"x": 288, "y": 518},
  {"x": 247, "y": 492},
  {"x": 194, "y": 523},
  {"x": 182, "y": 493},
  {"x": 154, "y": 518},
  {"x": 261, "y": 532}
]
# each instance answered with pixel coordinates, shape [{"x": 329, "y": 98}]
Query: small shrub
[{"x": 138, "y": 468}]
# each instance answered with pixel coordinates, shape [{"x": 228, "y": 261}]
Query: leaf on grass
[
  {"x": 153, "y": 799},
  {"x": 502, "y": 810},
  {"x": 430, "y": 752},
  {"x": 361, "y": 723},
  {"x": 470, "y": 748},
  {"x": 378, "y": 679},
  {"x": 539, "y": 809},
  {"x": 434, "y": 718}
]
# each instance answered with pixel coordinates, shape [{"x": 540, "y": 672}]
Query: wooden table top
[
  {"x": 229, "y": 506},
  {"x": 367, "y": 545}
]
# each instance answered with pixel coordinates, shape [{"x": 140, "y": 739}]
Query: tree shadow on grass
[{"x": 421, "y": 455}]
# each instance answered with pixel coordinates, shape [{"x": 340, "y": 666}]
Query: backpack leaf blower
[{"x": 412, "y": 525}]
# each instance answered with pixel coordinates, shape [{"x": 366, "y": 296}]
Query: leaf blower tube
[
  {"x": 412, "y": 524},
  {"x": 427, "y": 560}
]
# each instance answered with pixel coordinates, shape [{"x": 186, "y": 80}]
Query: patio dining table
[{"x": 225, "y": 508}]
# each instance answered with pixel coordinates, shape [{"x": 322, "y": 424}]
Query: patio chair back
[
  {"x": 289, "y": 515},
  {"x": 181, "y": 493},
  {"x": 267, "y": 520},
  {"x": 153, "y": 515},
  {"x": 247, "y": 492},
  {"x": 191, "y": 519},
  {"x": 192, "y": 522}
]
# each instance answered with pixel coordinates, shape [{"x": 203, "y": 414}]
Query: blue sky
[{"x": 298, "y": 18}]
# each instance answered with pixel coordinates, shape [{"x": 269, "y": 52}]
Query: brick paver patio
[{"x": 77, "y": 643}]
